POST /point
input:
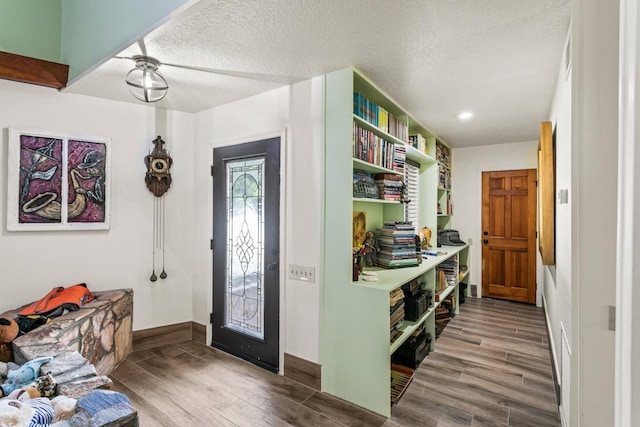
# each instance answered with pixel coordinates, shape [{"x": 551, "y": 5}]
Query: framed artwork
[
  {"x": 546, "y": 194},
  {"x": 57, "y": 182}
]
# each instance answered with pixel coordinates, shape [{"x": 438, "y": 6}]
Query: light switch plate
[{"x": 300, "y": 272}]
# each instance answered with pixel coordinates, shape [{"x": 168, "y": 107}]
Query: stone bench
[{"x": 101, "y": 331}]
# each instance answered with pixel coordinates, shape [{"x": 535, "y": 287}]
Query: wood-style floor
[{"x": 490, "y": 368}]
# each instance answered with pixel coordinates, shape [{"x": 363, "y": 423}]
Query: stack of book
[
  {"x": 396, "y": 313},
  {"x": 389, "y": 186},
  {"x": 443, "y": 155},
  {"x": 397, "y": 245},
  {"x": 399, "y": 158},
  {"x": 446, "y": 310},
  {"x": 444, "y": 313},
  {"x": 450, "y": 269},
  {"x": 444, "y": 177}
]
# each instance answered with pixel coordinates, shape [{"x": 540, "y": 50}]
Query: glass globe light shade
[{"x": 145, "y": 81}]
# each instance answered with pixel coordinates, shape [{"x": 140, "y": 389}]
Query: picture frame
[
  {"x": 546, "y": 194},
  {"x": 58, "y": 181}
]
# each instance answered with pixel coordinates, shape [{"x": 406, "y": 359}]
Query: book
[
  {"x": 372, "y": 148},
  {"x": 380, "y": 117}
]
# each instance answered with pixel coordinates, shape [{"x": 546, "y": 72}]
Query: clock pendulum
[{"x": 158, "y": 180}]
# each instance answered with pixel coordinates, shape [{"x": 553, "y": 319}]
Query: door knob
[
  {"x": 485, "y": 241},
  {"x": 272, "y": 266},
  {"x": 486, "y": 233}
]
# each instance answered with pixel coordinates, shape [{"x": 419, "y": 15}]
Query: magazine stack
[
  {"x": 397, "y": 245},
  {"x": 389, "y": 186}
]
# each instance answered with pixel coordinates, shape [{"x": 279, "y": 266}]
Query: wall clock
[{"x": 158, "y": 180}]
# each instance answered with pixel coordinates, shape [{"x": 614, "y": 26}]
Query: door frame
[
  {"x": 627, "y": 319},
  {"x": 282, "y": 134},
  {"x": 479, "y": 172}
]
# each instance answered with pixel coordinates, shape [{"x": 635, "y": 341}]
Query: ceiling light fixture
[
  {"x": 465, "y": 115},
  {"x": 145, "y": 81}
]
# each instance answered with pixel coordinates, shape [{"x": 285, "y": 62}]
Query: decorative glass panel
[{"x": 244, "y": 296}]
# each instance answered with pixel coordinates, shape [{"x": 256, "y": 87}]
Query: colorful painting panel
[
  {"x": 40, "y": 182},
  {"x": 86, "y": 165},
  {"x": 57, "y": 182}
]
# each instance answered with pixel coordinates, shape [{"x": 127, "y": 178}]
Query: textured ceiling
[{"x": 436, "y": 58}]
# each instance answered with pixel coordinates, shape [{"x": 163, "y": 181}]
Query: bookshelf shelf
[
  {"x": 356, "y": 365},
  {"x": 419, "y": 156},
  {"x": 409, "y": 327},
  {"x": 463, "y": 276},
  {"x": 393, "y": 278},
  {"x": 370, "y": 167},
  {"x": 363, "y": 200},
  {"x": 445, "y": 293},
  {"x": 375, "y": 129}
]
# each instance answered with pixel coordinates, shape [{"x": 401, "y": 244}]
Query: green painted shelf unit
[
  {"x": 355, "y": 333},
  {"x": 445, "y": 206}
]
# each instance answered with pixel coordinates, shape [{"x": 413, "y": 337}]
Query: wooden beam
[{"x": 33, "y": 71}]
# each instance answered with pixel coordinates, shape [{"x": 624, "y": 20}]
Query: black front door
[{"x": 246, "y": 251}]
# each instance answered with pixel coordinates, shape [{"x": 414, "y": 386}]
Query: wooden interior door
[{"x": 509, "y": 235}]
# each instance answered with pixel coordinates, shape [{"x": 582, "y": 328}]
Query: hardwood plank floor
[
  {"x": 491, "y": 363},
  {"x": 490, "y": 368}
]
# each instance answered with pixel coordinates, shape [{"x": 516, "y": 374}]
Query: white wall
[
  {"x": 468, "y": 165},
  {"x": 298, "y": 109},
  {"x": 594, "y": 134},
  {"x": 556, "y": 281},
  {"x": 33, "y": 262}
]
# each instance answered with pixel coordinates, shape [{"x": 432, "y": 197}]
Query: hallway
[{"x": 490, "y": 368}]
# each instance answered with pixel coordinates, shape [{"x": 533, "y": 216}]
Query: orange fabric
[{"x": 57, "y": 297}]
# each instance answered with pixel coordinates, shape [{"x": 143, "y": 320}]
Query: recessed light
[{"x": 465, "y": 115}]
